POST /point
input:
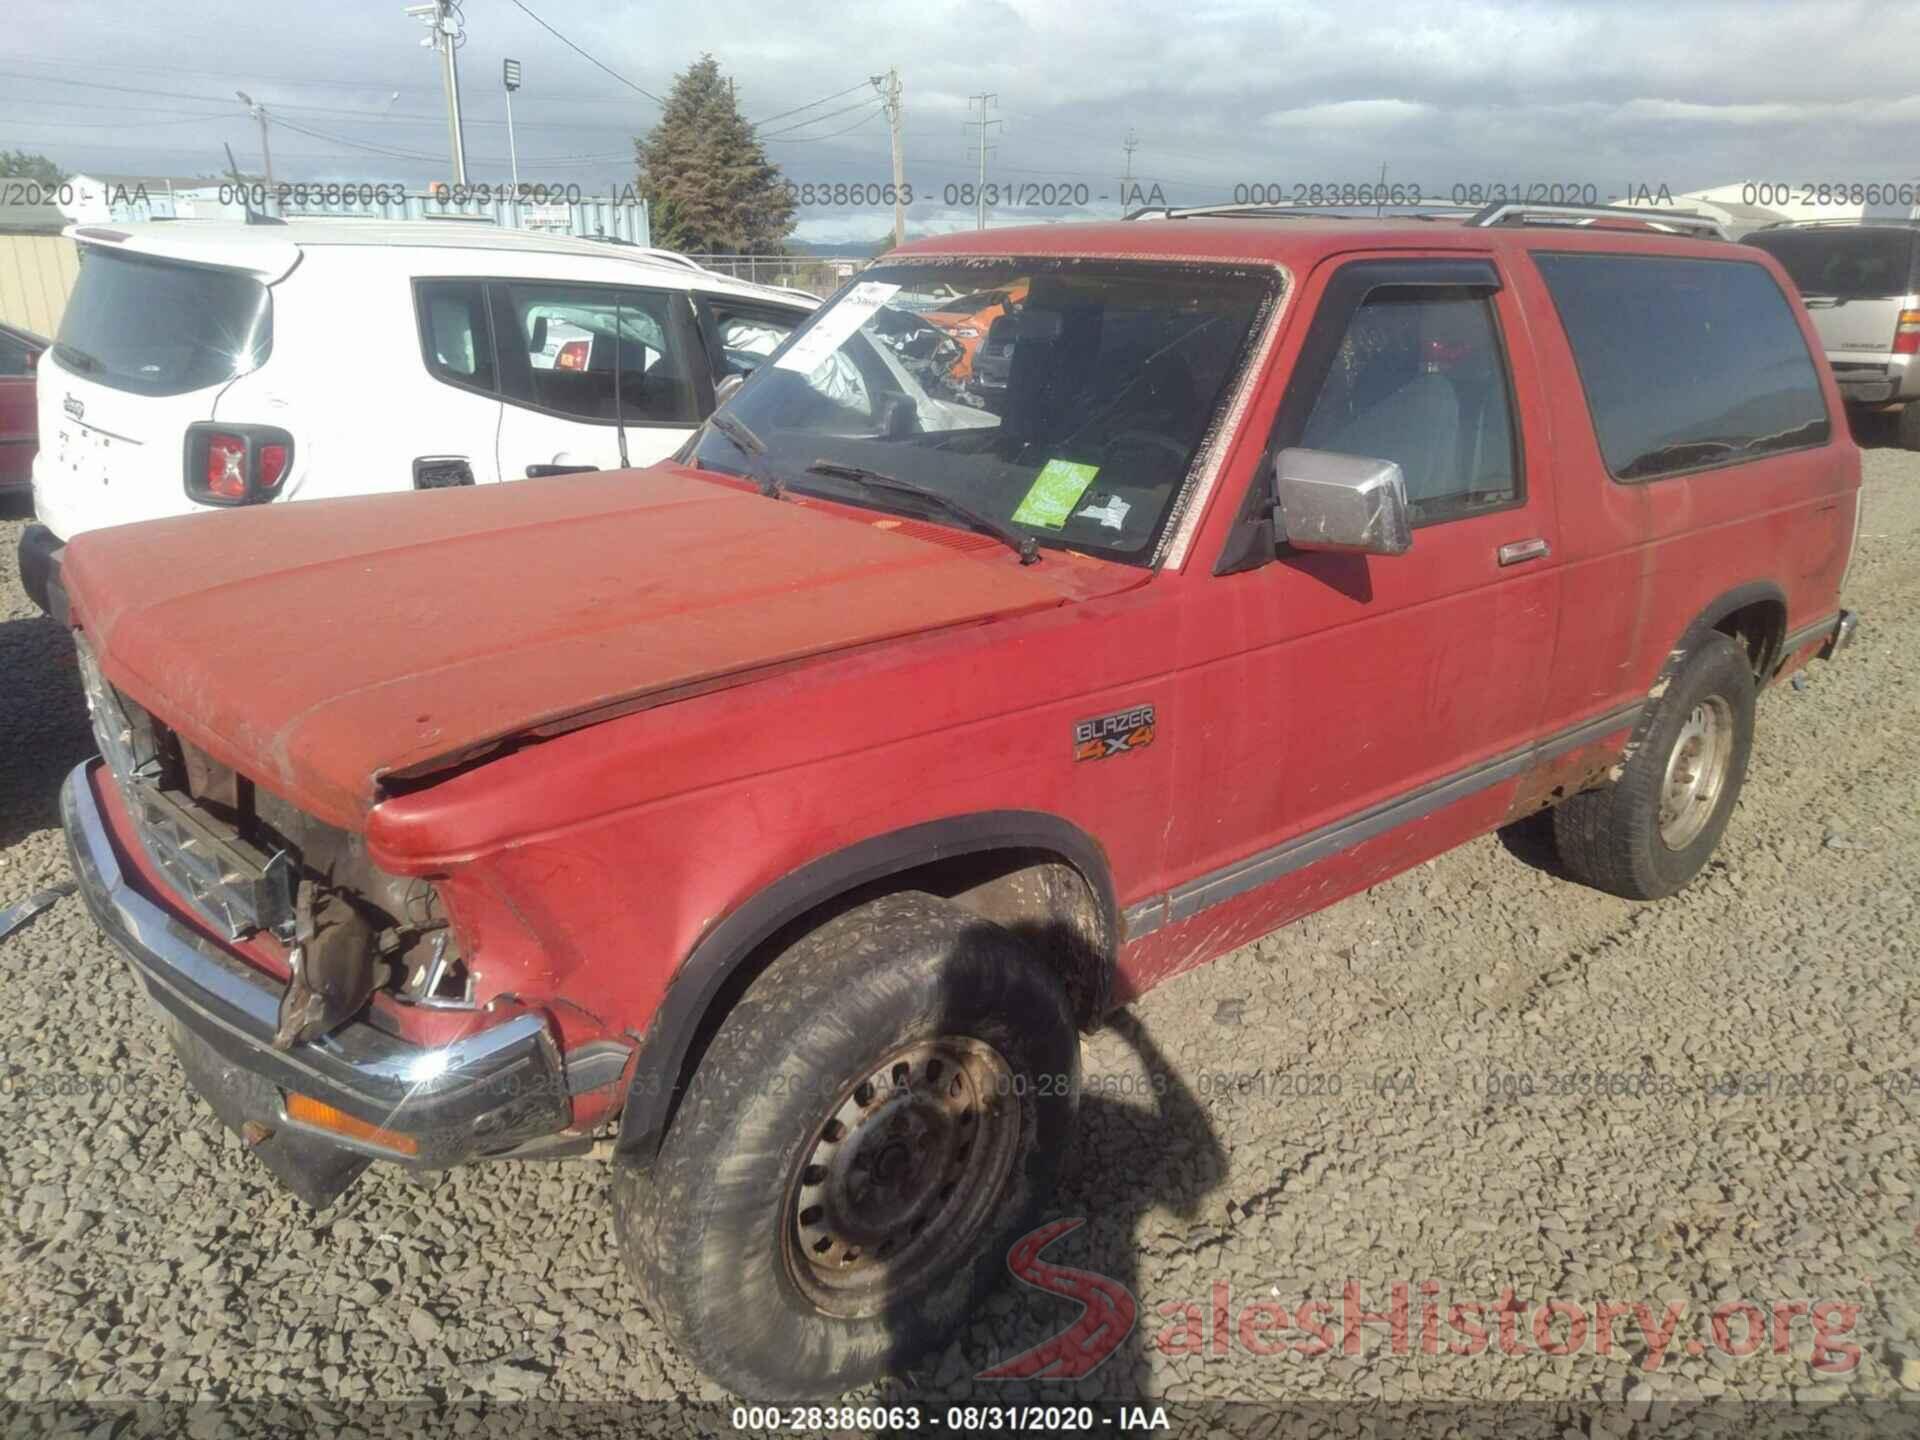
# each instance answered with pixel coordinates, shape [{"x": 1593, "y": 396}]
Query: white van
[{"x": 201, "y": 364}]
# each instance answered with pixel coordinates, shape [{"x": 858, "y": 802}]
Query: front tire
[
  {"x": 1646, "y": 835},
  {"x": 877, "y": 1120}
]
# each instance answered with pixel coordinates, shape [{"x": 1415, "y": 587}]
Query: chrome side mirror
[
  {"x": 723, "y": 392},
  {"x": 1328, "y": 501}
]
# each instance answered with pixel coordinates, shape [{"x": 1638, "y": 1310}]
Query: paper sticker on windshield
[
  {"x": 856, "y": 307},
  {"x": 1055, "y": 491},
  {"x": 1111, "y": 513}
]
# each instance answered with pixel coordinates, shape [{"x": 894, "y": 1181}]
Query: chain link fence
[{"x": 817, "y": 274}]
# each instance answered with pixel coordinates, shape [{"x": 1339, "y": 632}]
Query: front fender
[{"x": 702, "y": 980}]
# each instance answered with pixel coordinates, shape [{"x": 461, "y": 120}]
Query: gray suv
[{"x": 1861, "y": 282}]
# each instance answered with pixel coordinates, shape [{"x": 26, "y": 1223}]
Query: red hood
[{"x": 320, "y": 646}]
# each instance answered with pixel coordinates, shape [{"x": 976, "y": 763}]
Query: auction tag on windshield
[
  {"x": 1055, "y": 491},
  {"x": 856, "y": 307}
]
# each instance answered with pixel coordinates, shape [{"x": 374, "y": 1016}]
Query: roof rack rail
[
  {"x": 1271, "y": 212},
  {"x": 1516, "y": 212},
  {"x": 1853, "y": 223}
]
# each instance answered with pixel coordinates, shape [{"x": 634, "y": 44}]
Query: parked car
[
  {"x": 203, "y": 366},
  {"x": 783, "y": 817},
  {"x": 1861, "y": 284},
  {"x": 20, "y": 352}
]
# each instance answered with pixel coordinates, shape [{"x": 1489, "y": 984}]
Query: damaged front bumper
[{"x": 431, "y": 1107}]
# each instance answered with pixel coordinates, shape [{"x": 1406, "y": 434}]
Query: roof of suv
[
  {"x": 1298, "y": 241},
  {"x": 270, "y": 251}
]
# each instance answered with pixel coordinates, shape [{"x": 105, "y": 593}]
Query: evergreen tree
[
  {"x": 19, "y": 164},
  {"x": 707, "y": 181}
]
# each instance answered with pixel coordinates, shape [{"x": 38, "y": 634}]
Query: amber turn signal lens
[{"x": 322, "y": 1116}]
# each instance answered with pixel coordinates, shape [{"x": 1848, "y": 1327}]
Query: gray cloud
[{"x": 1685, "y": 93}]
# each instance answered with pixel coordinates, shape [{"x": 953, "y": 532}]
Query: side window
[
  {"x": 578, "y": 338},
  {"x": 1686, "y": 363},
  {"x": 16, "y": 358},
  {"x": 1420, "y": 378},
  {"x": 748, "y": 333},
  {"x": 455, "y": 339}
]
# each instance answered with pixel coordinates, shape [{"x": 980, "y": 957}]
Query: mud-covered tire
[
  {"x": 1908, "y": 426},
  {"x": 1614, "y": 838},
  {"x": 712, "y": 1230}
]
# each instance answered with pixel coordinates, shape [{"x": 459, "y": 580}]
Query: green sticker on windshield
[{"x": 1056, "y": 490}]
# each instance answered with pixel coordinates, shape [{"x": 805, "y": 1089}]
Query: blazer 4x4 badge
[{"x": 1113, "y": 734}]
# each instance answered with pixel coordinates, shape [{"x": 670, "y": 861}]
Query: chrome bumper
[{"x": 494, "y": 1088}]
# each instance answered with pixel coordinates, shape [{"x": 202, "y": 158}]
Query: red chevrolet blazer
[{"x": 769, "y": 822}]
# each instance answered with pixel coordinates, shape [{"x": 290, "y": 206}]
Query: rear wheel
[
  {"x": 877, "y": 1120},
  {"x": 1646, "y": 835},
  {"x": 1909, "y": 425}
]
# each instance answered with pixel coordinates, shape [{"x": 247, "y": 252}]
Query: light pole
[
  {"x": 442, "y": 17},
  {"x": 510, "y": 77},
  {"x": 259, "y": 112}
]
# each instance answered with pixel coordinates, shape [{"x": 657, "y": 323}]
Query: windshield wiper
[
  {"x": 751, "y": 446},
  {"x": 1025, "y": 546},
  {"x": 79, "y": 359}
]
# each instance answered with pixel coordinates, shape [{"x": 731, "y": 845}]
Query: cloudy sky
[{"x": 1612, "y": 93}]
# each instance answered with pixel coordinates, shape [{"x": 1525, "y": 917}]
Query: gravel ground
[{"x": 143, "y": 1255}]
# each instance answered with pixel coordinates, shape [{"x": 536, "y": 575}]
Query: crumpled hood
[{"x": 321, "y": 645}]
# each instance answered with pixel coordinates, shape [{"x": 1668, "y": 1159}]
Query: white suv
[{"x": 201, "y": 365}]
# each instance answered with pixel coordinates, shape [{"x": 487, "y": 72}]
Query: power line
[
  {"x": 585, "y": 56},
  {"x": 126, "y": 125},
  {"x": 844, "y": 109},
  {"x": 389, "y": 151},
  {"x": 768, "y": 120},
  {"x": 866, "y": 119}
]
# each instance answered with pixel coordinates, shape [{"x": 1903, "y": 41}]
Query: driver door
[{"x": 1374, "y": 691}]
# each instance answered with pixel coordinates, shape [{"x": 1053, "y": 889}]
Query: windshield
[
  {"x": 1865, "y": 264},
  {"x": 1075, "y": 419},
  {"x": 158, "y": 328}
]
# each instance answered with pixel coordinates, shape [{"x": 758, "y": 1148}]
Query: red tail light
[
  {"x": 573, "y": 355},
  {"x": 226, "y": 471},
  {"x": 236, "y": 464},
  {"x": 1906, "y": 335},
  {"x": 273, "y": 465}
]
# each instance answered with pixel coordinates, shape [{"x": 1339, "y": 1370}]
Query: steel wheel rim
[
  {"x": 901, "y": 1176},
  {"x": 1696, "y": 774}
]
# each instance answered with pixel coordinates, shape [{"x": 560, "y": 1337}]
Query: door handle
[
  {"x": 1516, "y": 552},
  {"x": 541, "y": 472}
]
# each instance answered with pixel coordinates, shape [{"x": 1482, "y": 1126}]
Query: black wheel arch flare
[{"x": 661, "y": 1066}]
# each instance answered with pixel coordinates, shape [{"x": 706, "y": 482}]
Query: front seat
[{"x": 1417, "y": 427}]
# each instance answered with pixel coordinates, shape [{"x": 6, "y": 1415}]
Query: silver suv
[{"x": 1861, "y": 282}]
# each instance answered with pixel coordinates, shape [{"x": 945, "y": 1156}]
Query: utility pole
[
  {"x": 889, "y": 87},
  {"x": 442, "y": 17},
  {"x": 1130, "y": 144},
  {"x": 259, "y": 112},
  {"x": 985, "y": 102},
  {"x": 510, "y": 77}
]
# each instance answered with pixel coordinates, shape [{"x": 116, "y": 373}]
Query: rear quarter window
[
  {"x": 1686, "y": 364},
  {"x": 1869, "y": 263},
  {"x": 155, "y": 327}
]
